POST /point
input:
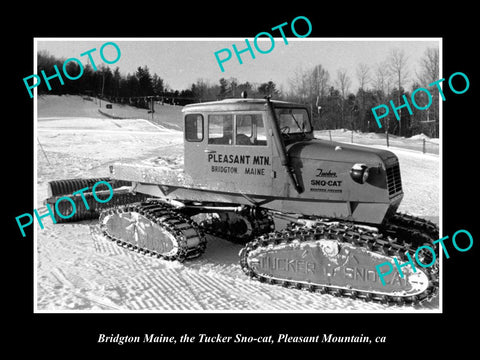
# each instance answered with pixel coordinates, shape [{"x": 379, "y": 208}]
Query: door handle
[{"x": 208, "y": 151}]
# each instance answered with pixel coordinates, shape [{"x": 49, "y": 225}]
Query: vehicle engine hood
[{"x": 317, "y": 149}]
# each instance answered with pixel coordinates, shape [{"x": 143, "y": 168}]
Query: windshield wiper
[{"x": 298, "y": 125}]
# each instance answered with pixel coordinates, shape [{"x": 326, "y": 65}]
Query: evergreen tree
[
  {"x": 144, "y": 78},
  {"x": 116, "y": 82},
  {"x": 223, "y": 88},
  {"x": 268, "y": 88},
  {"x": 157, "y": 85}
]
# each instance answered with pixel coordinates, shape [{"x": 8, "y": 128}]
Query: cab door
[
  {"x": 195, "y": 154},
  {"x": 237, "y": 153}
]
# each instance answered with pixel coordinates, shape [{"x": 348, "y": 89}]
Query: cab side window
[
  {"x": 250, "y": 130},
  {"x": 220, "y": 129},
  {"x": 194, "y": 127}
]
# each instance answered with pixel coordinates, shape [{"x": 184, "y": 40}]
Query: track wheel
[{"x": 238, "y": 227}]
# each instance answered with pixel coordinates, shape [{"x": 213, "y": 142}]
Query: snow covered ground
[{"x": 79, "y": 270}]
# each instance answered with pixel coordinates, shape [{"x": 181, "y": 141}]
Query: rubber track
[
  {"x": 415, "y": 232},
  {"x": 167, "y": 217},
  {"x": 348, "y": 233},
  {"x": 402, "y": 223}
]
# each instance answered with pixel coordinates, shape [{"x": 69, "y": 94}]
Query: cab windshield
[{"x": 293, "y": 120}]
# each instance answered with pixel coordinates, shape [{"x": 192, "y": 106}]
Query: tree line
[
  {"x": 136, "y": 89},
  {"x": 105, "y": 83},
  {"x": 332, "y": 104}
]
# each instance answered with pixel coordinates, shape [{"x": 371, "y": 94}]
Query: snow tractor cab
[
  {"x": 251, "y": 165},
  {"x": 262, "y": 153}
]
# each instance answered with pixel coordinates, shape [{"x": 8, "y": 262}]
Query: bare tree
[
  {"x": 429, "y": 67},
  {"x": 397, "y": 65},
  {"x": 363, "y": 75},
  {"x": 382, "y": 83},
  {"x": 382, "y": 79},
  {"x": 343, "y": 82},
  {"x": 429, "y": 72},
  {"x": 310, "y": 86},
  {"x": 319, "y": 80},
  {"x": 298, "y": 84}
]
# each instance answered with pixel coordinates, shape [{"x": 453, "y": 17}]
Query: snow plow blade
[{"x": 322, "y": 260}]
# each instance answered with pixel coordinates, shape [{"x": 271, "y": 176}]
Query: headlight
[{"x": 359, "y": 173}]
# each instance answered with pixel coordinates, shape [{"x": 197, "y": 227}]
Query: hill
[
  {"x": 168, "y": 116},
  {"x": 66, "y": 105}
]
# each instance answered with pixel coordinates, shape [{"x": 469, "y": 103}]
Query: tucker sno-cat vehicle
[{"x": 253, "y": 164}]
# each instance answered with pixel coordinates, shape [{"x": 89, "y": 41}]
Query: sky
[{"x": 182, "y": 61}]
